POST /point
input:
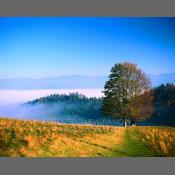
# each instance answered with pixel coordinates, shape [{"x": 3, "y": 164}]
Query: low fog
[
  {"x": 27, "y": 111},
  {"x": 13, "y": 104},
  {"x": 12, "y": 101}
]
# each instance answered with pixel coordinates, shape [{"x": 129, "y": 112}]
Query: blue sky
[{"x": 51, "y": 47}]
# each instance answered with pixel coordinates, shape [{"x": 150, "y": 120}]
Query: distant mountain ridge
[{"x": 73, "y": 82}]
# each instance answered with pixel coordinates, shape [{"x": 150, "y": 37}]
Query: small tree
[{"x": 127, "y": 93}]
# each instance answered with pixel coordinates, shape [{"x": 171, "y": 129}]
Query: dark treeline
[
  {"x": 164, "y": 95},
  {"x": 74, "y": 104},
  {"x": 164, "y": 104}
]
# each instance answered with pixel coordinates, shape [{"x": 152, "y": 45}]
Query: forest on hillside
[
  {"x": 164, "y": 105},
  {"x": 76, "y": 104}
]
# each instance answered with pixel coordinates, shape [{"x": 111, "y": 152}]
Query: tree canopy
[
  {"x": 164, "y": 100},
  {"x": 127, "y": 93}
]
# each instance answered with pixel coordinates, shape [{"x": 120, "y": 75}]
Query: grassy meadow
[{"x": 25, "y": 138}]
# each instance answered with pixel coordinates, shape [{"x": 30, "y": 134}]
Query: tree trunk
[
  {"x": 133, "y": 121},
  {"x": 124, "y": 122}
]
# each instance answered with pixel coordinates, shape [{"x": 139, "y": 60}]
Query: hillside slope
[{"x": 47, "y": 139}]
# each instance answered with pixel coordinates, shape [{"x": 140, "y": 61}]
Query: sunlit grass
[
  {"x": 49, "y": 139},
  {"x": 160, "y": 139},
  {"x": 33, "y": 139}
]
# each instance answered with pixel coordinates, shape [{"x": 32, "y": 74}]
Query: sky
[{"x": 51, "y": 47}]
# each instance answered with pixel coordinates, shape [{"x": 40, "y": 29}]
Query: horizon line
[{"x": 69, "y": 75}]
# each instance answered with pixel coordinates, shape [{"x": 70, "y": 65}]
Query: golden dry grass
[
  {"x": 40, "y": 139},
  {"x": 49, "y": 139},
  {"x": 160, "y": 139}
]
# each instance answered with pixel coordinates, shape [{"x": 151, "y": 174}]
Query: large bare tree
[{"x": 127, "y": 93}]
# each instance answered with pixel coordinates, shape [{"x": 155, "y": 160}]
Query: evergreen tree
[
  {"x": 74, "y": 104},
  {"x": 164, "y": 100}
]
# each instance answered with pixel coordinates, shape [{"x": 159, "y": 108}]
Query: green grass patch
[{"x": 132, "y": 146}]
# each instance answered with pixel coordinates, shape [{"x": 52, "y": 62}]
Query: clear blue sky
[{"x": 50, "y": 47}]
